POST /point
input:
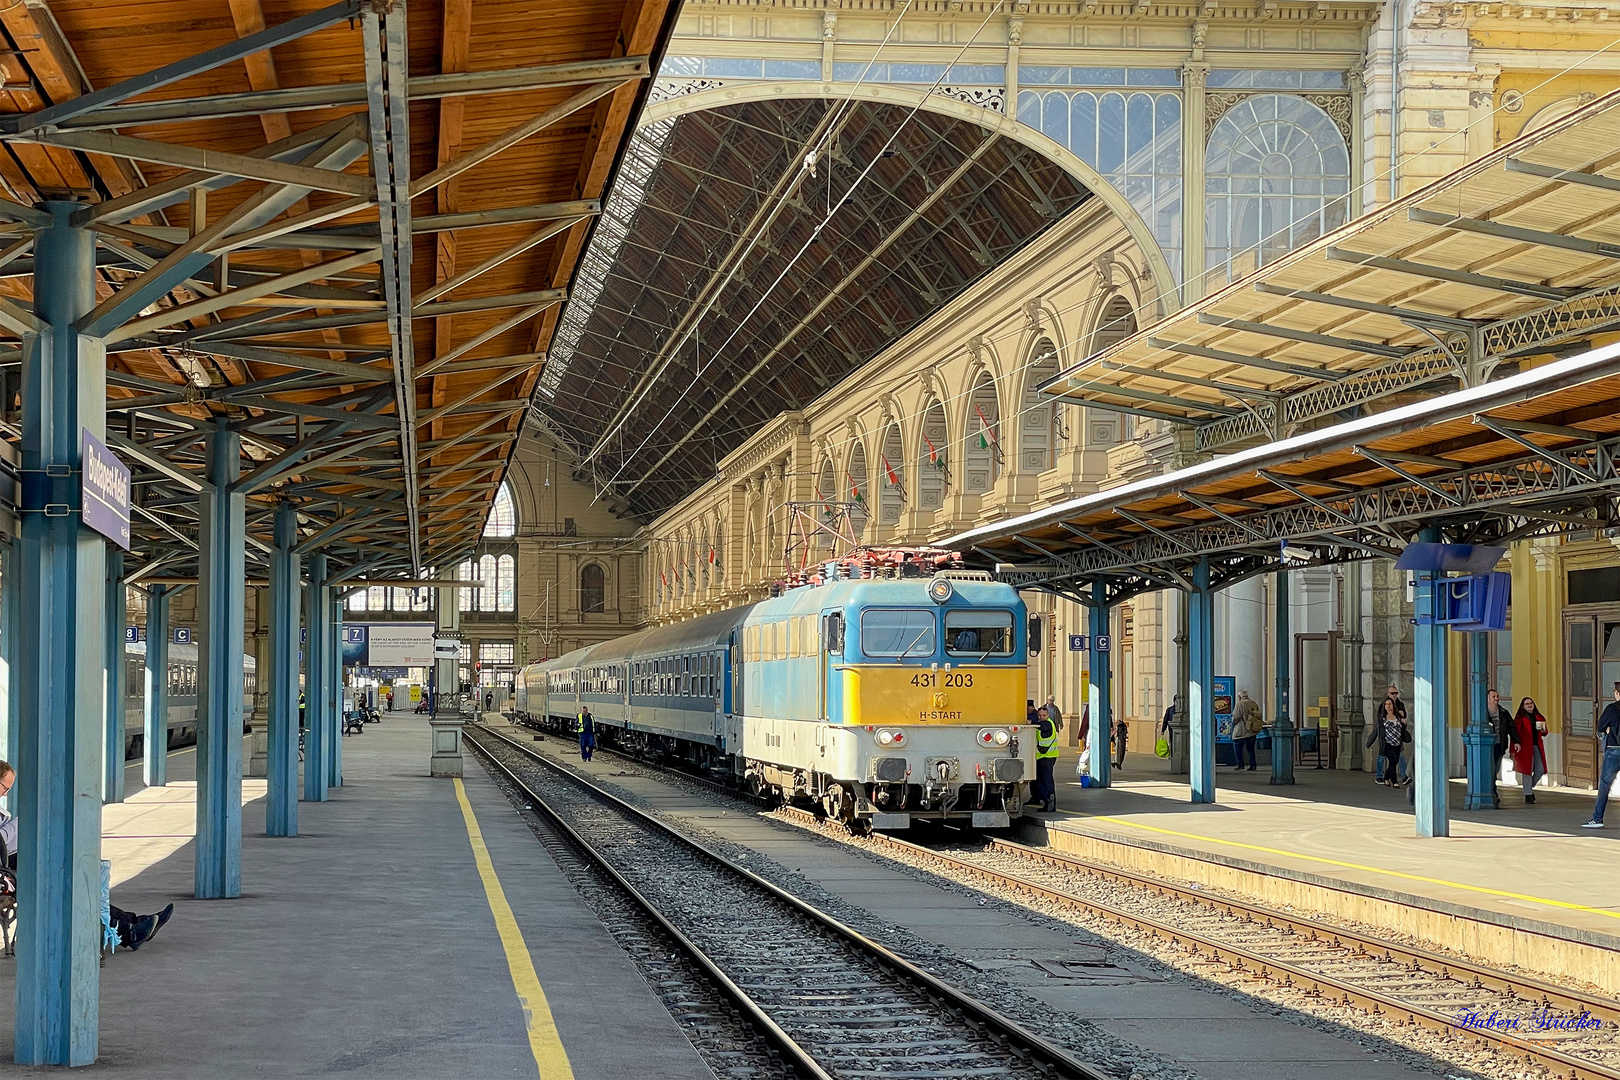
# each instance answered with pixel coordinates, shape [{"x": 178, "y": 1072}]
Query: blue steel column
[
  {"x": 1479, "y": 738},
  {"x": 112, "y": 753},
  {"x": 1201, "y": 685},
  {"x": 155, "y": 740},
  {"x": 221, "y": 609},
  {"x": 334, "y": 757},
  {"x": 1429, "y": 709},
  {"x": 317, "y": 698},
  {"x": 60, "y": 709},
  {"x": 1283, "y": 732},
  {"x": 281, "y": 680},
  {"x": 1102, "y": 712},
  {"x": 8, "y": 655}
]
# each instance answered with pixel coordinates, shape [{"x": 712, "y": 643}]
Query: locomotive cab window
[
  {"x": 979, "y": 633},
  {"x": 834, "y": 633},
  {"x": 898, "y": 632}
]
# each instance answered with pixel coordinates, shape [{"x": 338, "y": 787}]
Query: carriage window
[
  {"x": 979, "y": 633},
  {"x": 898, "y": 632}
]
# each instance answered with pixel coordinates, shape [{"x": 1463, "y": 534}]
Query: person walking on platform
[
  {"x": 1246, "y": 725},
  {"x": 1167, "y": 726},
  {"x": 1056, "y": 713},
  {"x": 1390, "y": 733},
  {"x": 1608, "y": 730},
  {"x": 1529, "y": 752},
  {"x": 587, "y": 733},
  {"x": 1393, "y": 693},
  {"x": 1044, "y": 792},
  {"x": 1122, "y": 732},
  {"x": 1082, "y": 736},
  {"x": 1501, "y": 722}
]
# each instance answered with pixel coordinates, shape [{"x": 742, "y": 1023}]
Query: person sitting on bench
[{"x": 133, "y": 930}]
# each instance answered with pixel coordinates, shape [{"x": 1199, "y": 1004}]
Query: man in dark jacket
[
  {"x": 1501, "y": 722},
  {"x": 1609, "y": 732}
]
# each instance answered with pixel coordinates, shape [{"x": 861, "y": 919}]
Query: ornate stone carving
[
  {"x": 1104, "y": 266},
  {"x": 829, "y": 25},
  {"x": 1032, "y": 314},
  {"x": 1195, "y": 77},
  {"x": 1200, "y": 32},
  {"x": 986, "y": 97},
  {"x": 1217, "y": 103},
  {"x": 1512, "y": 101},
  {"x": 1015, "y": 28}
]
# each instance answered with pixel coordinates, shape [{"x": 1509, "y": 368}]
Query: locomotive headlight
[
  {"x": 890, "y": 737},
  {"x": 994, "y": 737}
]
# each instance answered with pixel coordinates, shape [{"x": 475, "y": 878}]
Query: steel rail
[
  {"x": 1056, "y": 1061},
  {"x": 1269, "y": 968},
  {"x": 1550, "y": 996},
  {"x": 773, "y": 1033}
]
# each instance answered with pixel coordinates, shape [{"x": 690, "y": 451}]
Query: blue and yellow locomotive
[{"x": 881, "y": 699}]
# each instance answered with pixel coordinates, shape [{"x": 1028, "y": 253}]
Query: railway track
[
  {"x": 1327, "y": 963},
  {"x": 832, "y": 1002}
]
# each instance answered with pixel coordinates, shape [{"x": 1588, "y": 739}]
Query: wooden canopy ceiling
[{"x": 344, "y": 229}]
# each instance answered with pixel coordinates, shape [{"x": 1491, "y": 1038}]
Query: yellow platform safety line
[
  {"x": 549, "y": 1056},
  {"x": 1368, "y": 869}
]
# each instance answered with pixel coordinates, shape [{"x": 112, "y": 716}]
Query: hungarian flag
[
  {"x": 894, "y": 480},
  {"x": 933, "y": 451},
  {"x": 663, "y": 578},
  {"x": 987, "y": 435},
  {"x": 855, "y": 490},
  {"x": 711, "y": 556}
]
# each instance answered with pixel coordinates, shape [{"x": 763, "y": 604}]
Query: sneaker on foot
[
  {"x": 161, "y": 918},
  {"x": 1593, "y": 824},
  {"x": 141, "y": 931}
]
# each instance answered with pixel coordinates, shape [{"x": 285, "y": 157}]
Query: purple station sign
[{"x": 106, "y": 491}]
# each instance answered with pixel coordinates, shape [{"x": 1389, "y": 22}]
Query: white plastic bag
[{"x": 1082, "y": 767}]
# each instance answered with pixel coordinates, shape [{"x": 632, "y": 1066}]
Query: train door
[
  {"x": 832, "y": 651},
  {"x": 735, "y": 705}
]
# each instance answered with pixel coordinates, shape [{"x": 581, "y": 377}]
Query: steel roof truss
[
  {"x": 1515, "y": 232},
  {"x": 1385, "y": 462},
  {"x": 1371, "y": 348},
  {"x": 1303, "y": 371},
  {"x": 1562, "y": 457},
  {"x": 1446, "y": 273}
]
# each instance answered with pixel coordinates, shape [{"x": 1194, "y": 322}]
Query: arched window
[
  {"x": 464, "y": 597},
  {"x": 592, "y": 588},
  {"x": 717, "y": 555},
  {"x": 980, "y": 436},
  {"x": 859, "y": 491},
  {"x": 1116, "y": 323},
  {"x": 1040, "y": 418},
  {"x": 506, "y": 583},
  {"x": 826, "y": 492},
  {"x": 487, "y": 573},
  {"x": 892, "y": 477},
  {"x": 933, "y": 474},
  {"x": 1278, "y": 175},
  {"x": 502, "y": 514}
]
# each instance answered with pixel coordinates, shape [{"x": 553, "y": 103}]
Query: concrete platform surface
[
  {"x": 365, "y": 946},
  {"x": 1531, "y": 867}
]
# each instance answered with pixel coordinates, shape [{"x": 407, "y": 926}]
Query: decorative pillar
[
  {"x": 259, "y": 720},
  {"x": 60, "y": 660},
  {"x": 317, "y": 697},
  {"x": 1179, "y": 745},
  {"x": 1201, "y": 685},
  {"x": 1429, "y": 707},
  {"x": 112, "y": 750},
  {"x": 221, "y": 610},
  {"x": 1352, "y": 752},
  {"x": 1015, "y": 38},
  {"x": 1194, "y": 79},
  {"x": 1101, "y": 689},
  {"x": 1479, "y": 739},
  {"x": 1358, "y": 140},
  {"x": 446, "y": 718},
  {"x": 155, "y": 739},
  {"x": 278, "y": 679},
  {"x": 334, "y": 756},
  {"x": 1283, "y": 733}
]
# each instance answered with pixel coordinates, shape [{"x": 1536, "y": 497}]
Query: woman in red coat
[{"x": 1529, "y": 753}]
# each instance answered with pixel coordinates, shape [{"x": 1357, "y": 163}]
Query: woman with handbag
[
  {"x": 1390, "y": 732},
  {"x": 1529, "y": 753}
]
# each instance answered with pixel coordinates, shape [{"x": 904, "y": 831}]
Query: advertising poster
[
  {"x": 354, "y": 646},
  {"x": 1225, "y": 693},
  {"x": 400, "y": 645}
]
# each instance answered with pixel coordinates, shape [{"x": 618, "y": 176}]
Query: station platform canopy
[
  {"x": 344, "y": 230},
  {"x": 1512, "y": 256},
  {"x": 1430, "y": 364}
]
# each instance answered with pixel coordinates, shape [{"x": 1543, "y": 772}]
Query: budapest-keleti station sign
[{"x": 105, "y": 491}]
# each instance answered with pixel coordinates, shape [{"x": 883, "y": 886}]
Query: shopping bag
[{"x": 1162, "y": 748}]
